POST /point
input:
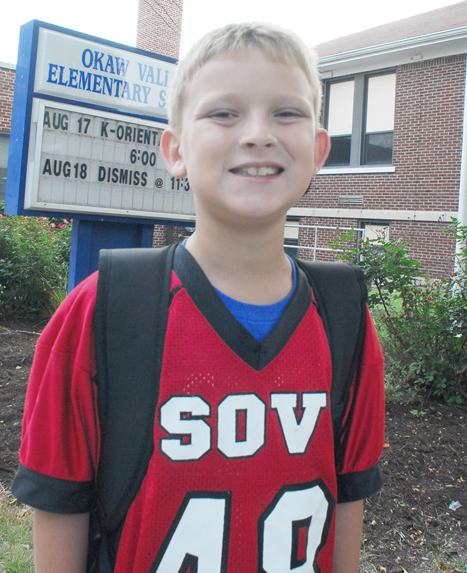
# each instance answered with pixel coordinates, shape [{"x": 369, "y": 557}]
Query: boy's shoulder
[
  {"x": 83, "y": 294},
  {"x": 74, "y": 316}
]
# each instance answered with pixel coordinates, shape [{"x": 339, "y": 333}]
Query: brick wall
[
  {"x": 429, "y": 243},
  {"x": 7, "y": 84},
  {"x": 159, "y": 26},
  {"x": 166, "y": 235},
  {"x": 427, "y": 158},
  {"x": 309, "y": 237},
  {"x": 159, "y": 237}
]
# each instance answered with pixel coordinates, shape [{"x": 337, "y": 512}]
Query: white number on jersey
[
  {"x": 292, "y": 531},
  {"x": 305, "y": 508},
  {"x": 198, "y": 538}
]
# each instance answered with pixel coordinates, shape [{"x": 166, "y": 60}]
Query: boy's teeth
[{"x": 257, "y": 171}]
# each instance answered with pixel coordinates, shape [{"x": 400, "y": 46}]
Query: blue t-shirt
[{"x": 258, "y": 319}]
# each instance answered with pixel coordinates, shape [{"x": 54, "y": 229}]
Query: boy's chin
[{"x": 248, "y": 218}]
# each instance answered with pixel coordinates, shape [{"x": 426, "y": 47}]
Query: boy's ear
[
  {"x": 171, "y": 153},
  {"x": 322, "y": 148}
]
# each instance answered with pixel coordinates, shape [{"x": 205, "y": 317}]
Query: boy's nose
[{"x": 258, "y": 132}]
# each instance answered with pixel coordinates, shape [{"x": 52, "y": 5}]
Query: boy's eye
[
  {"x": 222, "y": 114},
  {"x": 289, "y": 113}
]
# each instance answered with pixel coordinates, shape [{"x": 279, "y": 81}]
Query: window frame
[
  {"x": 358, "y": 135},
  {"x": 363, "y": 223},
  {"x": 4, "y": 168},
  {"x": 291, "y": 243}
]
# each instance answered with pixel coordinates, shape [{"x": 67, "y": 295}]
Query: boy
[{"x": 239, "y": 480}]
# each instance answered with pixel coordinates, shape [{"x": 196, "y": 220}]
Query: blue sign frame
[{"x": 21, "y": 122}]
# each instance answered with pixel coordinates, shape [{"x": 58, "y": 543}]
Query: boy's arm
[
  {"x": 60, "y": 542},
  {"x": 359, "y": 475},
  {"x": 349, "y": 520}
]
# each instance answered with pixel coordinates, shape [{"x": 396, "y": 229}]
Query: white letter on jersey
[
  {"x": 199, "y": 431},
  {"x": 297, "y": 435},
  {"x": 306, "y": 509},
  {"x": 254, "y": 411},
  {"x": 198, "y": 537}
]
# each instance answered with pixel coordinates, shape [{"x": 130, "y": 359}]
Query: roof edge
[
  {"x": 7, "y": 66},
  {"x": 397, "y": 46}
]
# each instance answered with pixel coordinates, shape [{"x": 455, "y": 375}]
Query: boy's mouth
[{"x": 252, "y": 171}]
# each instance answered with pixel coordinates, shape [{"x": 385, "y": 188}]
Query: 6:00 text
[{"x": 146, "y": 157}]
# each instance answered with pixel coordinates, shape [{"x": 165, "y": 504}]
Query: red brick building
[
  {"x": 7, "y": 82},
  {"x": 394, "y": 101}
]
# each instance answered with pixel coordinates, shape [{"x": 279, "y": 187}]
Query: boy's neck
[{"x": 249, "y": 266}]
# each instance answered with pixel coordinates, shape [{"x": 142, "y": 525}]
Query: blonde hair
[{"x": 278, "y": 43}]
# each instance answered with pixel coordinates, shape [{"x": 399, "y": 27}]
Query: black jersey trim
[
  {"x": 52, "y": 494},
  {"x": 355, "y": 486},
  {"x": 255, "y": 353}
]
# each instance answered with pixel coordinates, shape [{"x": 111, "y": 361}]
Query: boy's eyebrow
[{"x": 229, "y": 97}]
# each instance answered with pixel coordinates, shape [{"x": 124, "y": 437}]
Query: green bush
[
  {"x": 422, "y": 322},
  {"x": 34, "y": 261}
]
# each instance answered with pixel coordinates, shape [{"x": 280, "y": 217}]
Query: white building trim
[
  {"x": 375, "y": 214},
  {"x": 6, "y": 66},
  {"x": 353, "y": 170}
]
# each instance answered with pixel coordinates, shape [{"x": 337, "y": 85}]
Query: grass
[
  {"x": 443, "y": 560},
  {"x": 15, "y": 535},
  {"x": 442, "y": 567}
]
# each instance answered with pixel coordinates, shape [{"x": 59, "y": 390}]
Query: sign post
[{"x": 87, "y": 120}]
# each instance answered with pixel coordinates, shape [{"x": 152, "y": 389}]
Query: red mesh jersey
[{"x": 243, "y": 475}]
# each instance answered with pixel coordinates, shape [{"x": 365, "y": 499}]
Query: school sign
[
  {"x": 74, "y": 68},
  {"x": 87, "y": 120}
]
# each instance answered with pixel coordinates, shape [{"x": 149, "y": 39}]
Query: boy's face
[{"x": 248, "y": 141}]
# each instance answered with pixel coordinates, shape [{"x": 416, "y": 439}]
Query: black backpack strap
[
  {"x": 130, "y": 324},
  {"x": 341, "y": 294}
]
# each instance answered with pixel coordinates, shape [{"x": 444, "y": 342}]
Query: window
[
  {"x": 291, "y": 237},
  {"x": 339, "y": 121},
  {"x": 359, "y": 117},
  {"x": 374, "y": 230},
  {"x": 379, "y": 119},
  {"x": 4, "y": 144}
]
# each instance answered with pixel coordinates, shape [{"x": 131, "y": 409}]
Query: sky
[{"x": 313, "y": 21}]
